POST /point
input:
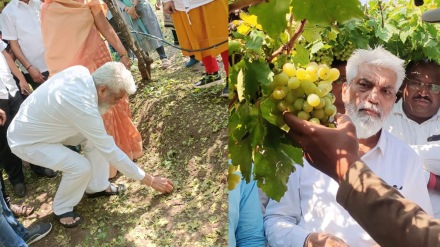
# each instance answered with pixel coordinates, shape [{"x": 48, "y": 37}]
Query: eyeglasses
[
  {"x": 418, "y": 85},
  {"x": 341, "y": 80}
]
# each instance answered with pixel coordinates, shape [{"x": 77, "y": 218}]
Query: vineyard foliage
[{"x": 273, "y": 33}]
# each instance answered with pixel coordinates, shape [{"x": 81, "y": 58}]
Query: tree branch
[
  {"x": 289, "y": 44},
  {"x": 239, "y": 4}
]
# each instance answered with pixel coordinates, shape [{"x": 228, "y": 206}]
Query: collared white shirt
[
  {"x": 63, "y": 108},
  {"x": 8, "y": 85},
  {"x": 310, "y": 204},
  {"x": 417, "y": 136},
  {"x": 21, "y": 22}
]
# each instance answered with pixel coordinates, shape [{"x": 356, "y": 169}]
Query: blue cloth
[
  {"x": 11, "y": 231},
  {"x": 245, "y": 216}
]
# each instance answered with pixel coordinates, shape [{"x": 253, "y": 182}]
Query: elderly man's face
[
  {"x": 421, "y": 94},
  {"x": 107, "y": 98},
  {"x": 369, "y": 98}
]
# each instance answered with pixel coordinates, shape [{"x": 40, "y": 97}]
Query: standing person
[
  {"x": 168, "y": 22},
  {"x": 22, "y": 28},
  {"x": 415, "y": 119},
  {"x": 78, "y": 25},
  {"x": 140, "y": 17},
  {"x": 67, "y": 110},
  {"x": 308, "y": 212},
  {"x": 10, "y": 101},
  {"x": 202, "y": 24}
]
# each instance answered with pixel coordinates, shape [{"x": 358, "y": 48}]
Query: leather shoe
[
  {"x": 44, "y": 172},
  {"x": 20, "y": 190}
]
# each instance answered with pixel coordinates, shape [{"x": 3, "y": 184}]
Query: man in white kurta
[
  {"x": 64, "y": 111},
  {"x": 308, "y": 214},
  {"x": 415, "y": 119}
]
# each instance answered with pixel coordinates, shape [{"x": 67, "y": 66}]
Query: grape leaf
[
  {"x": 256, "y": 73},
  {"x": 326, "y": 12},
  {"x": 302, "y": 55},
  {"x": 272, "y": 15}
]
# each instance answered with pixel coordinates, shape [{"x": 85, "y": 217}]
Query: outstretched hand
[
  {"x": 163, "y": 185},
  {"x": 330, "y": 150},
  {"x": 316, "y": 239},
  {"x": 169, "y": 8}
]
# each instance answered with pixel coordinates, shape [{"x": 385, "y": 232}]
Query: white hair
[
  {"x": 378, "y": 57},
  {"x": 115, "y": 76}
]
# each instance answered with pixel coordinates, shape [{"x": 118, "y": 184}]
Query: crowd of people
[
  {"x": 61, "y": 93},
  {"x": 372, "y": 181}
]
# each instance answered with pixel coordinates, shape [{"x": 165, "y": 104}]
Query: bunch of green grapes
[
  {"x": 304, "y": 92},
  {"x": 233, "y": 178},
  {"x": 343, "y": 52},
  {"x": 323, "y": 57}
]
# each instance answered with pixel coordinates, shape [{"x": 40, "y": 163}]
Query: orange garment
[
  {"x": 203, "y": 27},
  {"x": 71, "y": 38}
]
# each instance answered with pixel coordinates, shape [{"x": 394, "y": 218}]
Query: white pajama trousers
[{"x": 88, "y": 173}]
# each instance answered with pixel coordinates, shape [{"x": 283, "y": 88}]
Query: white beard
[
  {"x": 103, "y": 108},
  {"x": 366, "y": 125}
]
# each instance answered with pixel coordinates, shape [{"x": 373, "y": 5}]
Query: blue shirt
[{"x": 245, "y": 216}]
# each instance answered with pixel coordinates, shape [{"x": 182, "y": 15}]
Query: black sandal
[
  {"x": 66, "y": 215},
  {"x": 114, "y": 190}
]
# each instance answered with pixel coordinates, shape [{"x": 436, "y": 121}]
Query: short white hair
[
  {"x": 115, "y": 76},
  {"x": 378, "y": 57}
]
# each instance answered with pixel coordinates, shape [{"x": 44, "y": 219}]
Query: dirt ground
[{"x": 184, "y": 134}]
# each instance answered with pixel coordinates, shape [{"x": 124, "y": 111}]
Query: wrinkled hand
[
  {"x": 330, "y": 150},
  {"x": 25, "y": 88},
  {"x": 169, "y": 7},
  {"x": 324, "y": 240},
  {"x": 36, "y": 75},
  {"x": 2, "y": 117}
]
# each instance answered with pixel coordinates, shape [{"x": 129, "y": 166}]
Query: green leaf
[
  {"x": 272, "y": 15},
  {"x": 316, "y": 47},
  {"x": 256, "y": 73},
  {"x": 312, "y": 34},
  {"x": 326, "y": 12},
  {"x": 267, "y": 107},
  {"x": 256, "y": 40},
  {"x": 302, "y": 55}
]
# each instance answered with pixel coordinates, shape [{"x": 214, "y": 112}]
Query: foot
[
  {"x": 165, "y": 63},
  {"x": 209, "y": 80},
  {"x": 69, "y": 219},
  {"x": 21, "y": 210},
  {"x": 20, "y": 190},
  {"x": 112, "y": 189},
  {"x": 225, "y": 92},
  {"x": 43, "y": 172},
  {"x": 192, "y": 61},
  {"x": 37, "y": 232}
]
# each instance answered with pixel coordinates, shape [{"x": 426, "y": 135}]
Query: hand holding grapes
[{"x": 330, "y": 150}]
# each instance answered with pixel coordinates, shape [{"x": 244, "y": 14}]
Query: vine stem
[
  {"x": 288, "y": 47},
  {"x": 236, "y": 5}
]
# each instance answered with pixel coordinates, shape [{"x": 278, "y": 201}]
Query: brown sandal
[{"x": 21, "y": 210}]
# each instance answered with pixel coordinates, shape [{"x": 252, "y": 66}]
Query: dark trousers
[{"x": 12, "y": 164}]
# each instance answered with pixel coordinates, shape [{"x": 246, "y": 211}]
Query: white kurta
[
  {"x": 64, "y": 111},
  {"x": 417, "y": 136},
  {"x": 310, "y": 204}
]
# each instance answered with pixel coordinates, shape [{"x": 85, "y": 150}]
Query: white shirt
[
  {"x": 21, "y": 22},
  {"x": 417, "y": 136},
  {"x": 187, "y": 5},
  {"x": 310, "y": 204},
  {"x": 8, "y": 85},
  {"x": 65, "y": 107}
]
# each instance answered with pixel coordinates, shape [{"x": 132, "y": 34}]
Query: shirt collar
[{"x": 381, "y": 143}]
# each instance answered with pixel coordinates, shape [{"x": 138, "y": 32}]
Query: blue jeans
[{"x": 11, "y": 231}]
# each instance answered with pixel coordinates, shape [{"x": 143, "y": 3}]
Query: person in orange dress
[{"x": 72, "y": 32}]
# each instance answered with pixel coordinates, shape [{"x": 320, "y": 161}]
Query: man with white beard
[
  {"x": 308, "y": 214},
  {"x": 66, "y": 110}
]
